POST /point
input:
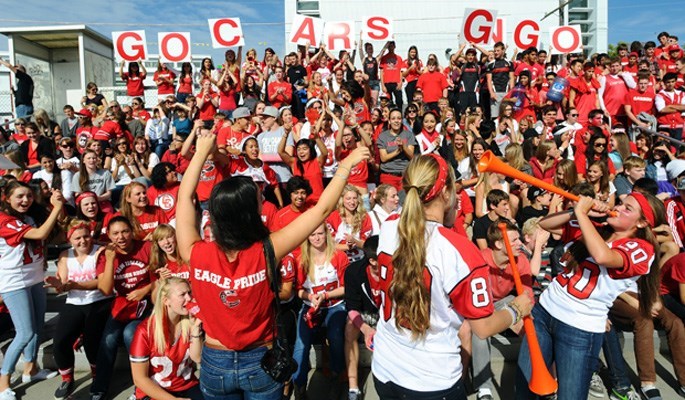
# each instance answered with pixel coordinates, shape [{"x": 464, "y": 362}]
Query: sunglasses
[
  {"x": 135, "y": 104},
  {"x": 20, "y": 124},
  {"x": 573, "y": 115},
  {"x": 600, "y": 144}
]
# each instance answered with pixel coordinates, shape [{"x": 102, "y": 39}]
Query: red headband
[
  {"x": 645, "y": 206},
  {"x": 84, "y": 195},
  {"x": 75, "y": 228},
  {"x": 440, "y": 182}
]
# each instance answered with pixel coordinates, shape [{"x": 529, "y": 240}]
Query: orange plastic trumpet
[
  {"x": 541, "y": 381},
  {"x": 490, "y": 163}
]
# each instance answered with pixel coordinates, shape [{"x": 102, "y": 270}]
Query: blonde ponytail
[{"x": 408, "y": 288}]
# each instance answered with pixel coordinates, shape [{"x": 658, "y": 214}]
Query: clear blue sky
[{"x": 263, "y": 19}]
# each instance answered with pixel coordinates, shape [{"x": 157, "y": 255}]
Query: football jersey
[
  {"x": 178, "y": 270},
  {"x": 260, "y": 175},
  {"x": 288, "y": 265},
  {"x": 327, "y": 277},
  {"x": 236, "y": 293},
  {"x": 582, "y": 298},
  {"x": 339, "y": 228},
  {"x": 21, "y": 260},
  {"x": 130, "y": 270},
  {"x": 457, "y": 276},
  {"x": 173, "y": 370}
]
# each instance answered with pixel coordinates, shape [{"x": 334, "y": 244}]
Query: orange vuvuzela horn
[
  {"x": 541, "y": 381},
  {"x": 490, "y": 163}
]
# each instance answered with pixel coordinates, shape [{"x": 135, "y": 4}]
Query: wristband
[
  {"x": 513, "y": 315},
  {"x": 519, "y": 313},
  {"x": 344, "y": 167}
]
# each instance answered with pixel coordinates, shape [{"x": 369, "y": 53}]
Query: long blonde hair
[
  {"x": 513, "y": 154},
  {"x": 408, "y": 289},
  {"x": 159, "y": 319},
  {"x": 358, "y": 214},
  {"x": 306, "y": 259},
  {"x": 158, "y": 258}
]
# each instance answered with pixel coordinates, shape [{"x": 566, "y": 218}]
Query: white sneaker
[
  {"x": 596, "y": 386},
  {"x": 41, "y": 375},
  {"x": 7, "y": 394}
]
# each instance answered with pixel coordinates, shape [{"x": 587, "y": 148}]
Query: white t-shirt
[{"x": 78, "y": 272}]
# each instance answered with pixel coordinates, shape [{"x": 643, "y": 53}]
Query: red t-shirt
[
  {"x": 285, "y": 216},
  {"x": 212, "y": 173},
  {"x": 313, "y": 174},
  {"x": 359, "y": 173},
  {"x": 109, "y": 130},
  {"x": 32, "y": 154},
  {"x": 227, "y": 99},
  {"x": 149, "y": 220},
  {"x": 673, "y": 275},
  {"x": 173, "y": 370},
  {"x": 228, "y": 137},
  {"x": 135, "y": 86},
  {"x": 185, "y": 84},
  {"x": 165, "y": 199},
  {"x": 282, "y": 98},
  {"x": 640, "y": 102},
  {"x": 502, "y": 280},
  {"x": 269, "y": 212},
  {"x": 464, "y": 207},
  {"x": 208, "y": 109},
  {"x": 432, "y": 84},
  {"x": 391, "y": 64},
  {"x": 414, "y": 74},
  {"x": 165, "y": 88},
  {"x": 236, "y": 293},
  {"x": 130, "y": 273}
]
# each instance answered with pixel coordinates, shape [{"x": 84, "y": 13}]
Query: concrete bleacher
[{"x": 504, "y": 354}]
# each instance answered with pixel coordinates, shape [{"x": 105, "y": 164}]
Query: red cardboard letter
[
  {"x": 485, "y": 28},
  {"x": 376, "y": 28},
  {"x": 226, "y": 32},
  {"x": 532, "y": 38},
  {"x": 174, "y": 46},
  {"x": 130, "y": 45}
]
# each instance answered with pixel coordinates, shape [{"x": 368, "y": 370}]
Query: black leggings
[
  {"x": 89, "y": 320},
  {"x": 395, "y": 92}
]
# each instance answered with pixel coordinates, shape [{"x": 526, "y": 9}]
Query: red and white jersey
[
  {"x": 327, "y": 277},
  {"x": 173, "y": 370},
  {"x": 582, "y": 298},
  {"x": 21, "y": 261},
  {"x": 331, "y": 164},
  {"x": 260, "y": 175},
  {"x": 339, "y": 228},
  {"x": 458, "y": 279},
  {"x": 178, "y": 270},
  {"x": 269, "y": 212},
  {"x": 288, "y": 267}
]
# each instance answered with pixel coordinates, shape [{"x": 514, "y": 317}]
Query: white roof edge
[{"x": 57, "y": 28}]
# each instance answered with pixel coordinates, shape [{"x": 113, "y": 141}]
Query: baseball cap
[
  {"x": 84, "y": 112},
  {"x": 534, "y": 192},
  {"x": 673, "y": 47},
  {"x": 270, "y": 111},
  {"x": 675, "y": 168},
  {"x": 471, "y": 51},
  {"x": 241, "y": 112},
  {"x": 633, "y": 54}
]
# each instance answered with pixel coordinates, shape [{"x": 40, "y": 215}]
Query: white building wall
[{"x": 434, "y": 25}]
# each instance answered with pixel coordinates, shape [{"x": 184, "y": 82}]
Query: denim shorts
[
  {"x": 375, "y": 85},
  {"x": 228, "y": 375}
]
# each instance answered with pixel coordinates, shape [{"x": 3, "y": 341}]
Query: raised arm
[{"x": 297, "y": 231}]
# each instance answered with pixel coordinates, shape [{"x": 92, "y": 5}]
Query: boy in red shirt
[
  {"x": 433, "y": 84},
  {"x": 280, "y": 92}
]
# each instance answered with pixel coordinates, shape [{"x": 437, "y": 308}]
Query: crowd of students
[{"x": 369, "y": 198}]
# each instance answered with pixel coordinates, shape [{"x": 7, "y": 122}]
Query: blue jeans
[
  {"x": 27, "y": 310},
  {"x": 618, "y": 373},
  {"x": 114, "y": 332},
  {"x": 181, "y": 97},
  {"x": 23, "y": 111},
  {"x": 160, "y": 146},
  {"x": 333, "y": 319},
  {"x": 236, "y": 375},
  {"x": 572, "y": 350}
]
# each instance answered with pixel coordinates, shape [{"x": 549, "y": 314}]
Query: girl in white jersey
[
  {"x": 86, "y": 309},
  {"x": 431, "y": 279},
  {"x": 21, "y": 279},
  {"x": 570, "y": 319}
]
